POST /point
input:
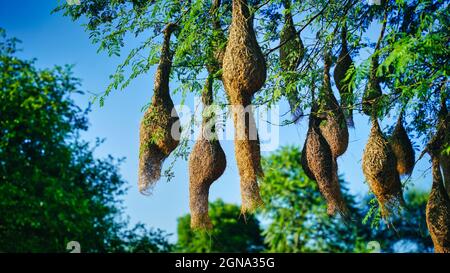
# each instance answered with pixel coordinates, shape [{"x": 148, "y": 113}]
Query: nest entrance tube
[
  {"x": 244, "y": 73},
  {"x": 380, "y": 170},
  {"x": 402, "y": 148},
  {"x": 159, "y": 129},
  {"x": 345, "y": 64},
  {"x": 207, "y": 163}
]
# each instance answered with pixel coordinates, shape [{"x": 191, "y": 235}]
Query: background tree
[
  {"x": 298, "y": 222},
  {"x": 52, "y": 189},
  {"x": 231, "y": 232}
]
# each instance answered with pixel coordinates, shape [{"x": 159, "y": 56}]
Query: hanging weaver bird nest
[
  {"x": 379, "y": 168},
  {"x": 372, "y": 94},
  {"x": 345, "y": 64},
  {"x": 438, "y": 210},
  {"x": 444, "y": 131},
  {"x": 319, "y": 165},
  {"x": 157, "y": 127},
  {"x": 244, "y": 73},
  {"x": 402, "y": 148},
  {"x": 292, "y": 52},
  {"x": 207, "y": 163},
  {"x": 334, "y": 128}
]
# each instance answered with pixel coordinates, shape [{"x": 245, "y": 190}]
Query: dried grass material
[
  {"x": 292, "y": 52},
  {"x": 156, "y": 139},
  {"x": 244, "y": 73},
  {"x": 438, "y": 211},
  {"x": 402, "y": 148},
  {"x": 379, "y": 168},
  {"x": 319, "y": 165},
  {"x": 248, "y": 158},
  {"x": 207, "y": 163},
  {"x": 334, "y": 128},
  {"x": 444, "y": 128},
  {"x": 445, "y": 165},
  {"x": 244, "y": 66},
  {"x": 343, "y": 65}
]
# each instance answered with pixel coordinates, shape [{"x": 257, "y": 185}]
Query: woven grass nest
[
  {"x": 207, "y": 163},
  {"x": 379, "y": 168},
  {"x": 438, "y": 210},
  {"x": 158, "y": 123},
  {"x": 402, "y": 148},
  {"x": 444, "y": 128},
  {"x": 292, "y": 52},
  {"x": 244, "y": 73},
  {"x": 343, "y": 65},
  {"x": 334, "y": 128},
  {"x": 319, "y": 164}
]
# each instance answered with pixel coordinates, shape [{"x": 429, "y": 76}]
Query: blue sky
[{"x": 56, "y": 40}]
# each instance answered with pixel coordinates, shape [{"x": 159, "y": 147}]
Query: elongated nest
[
  {"x": 334, "y": 128},
  {"x": 379, "y": 168},
  {"x": 292, "y": 52},
  {"x": 159, "y": 129},
  {"x": 345, "y": 64},
  {"x": 444, "y": 130},
  {"x": 402, "y": 148},
  {"x": 319, "y": 165},
  {"x": 244, "y": 73},
  {"x": 372, "y": 94},
  {"x": 438, "y": 211},
  {"x": 207, "y": 163}
]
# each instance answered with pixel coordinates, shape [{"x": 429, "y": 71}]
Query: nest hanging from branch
[
  {"x": 159, "y": 129},
  {"x": 334, "y": 128},
  {"x": 244, "y": 73},
  {"x": 402, "y": 148},
  {"x": 444, "y": 131},
  {"x": 292, "y": 52},
  {"x": 438, "y": 210},
  {"x": 372, "y": 94},
  {"x": 372, "y": 97},
  {"x": 379, "y": 168},
  {"x": 345, "y": 64},
  {"x": 319, "y": 164},
  {"x": 207, "y": 163}
]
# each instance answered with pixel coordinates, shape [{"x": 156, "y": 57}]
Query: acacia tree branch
[{"x": 298, "y": 32}]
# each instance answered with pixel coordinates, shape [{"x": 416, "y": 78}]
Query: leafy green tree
[
  {"x": 52, "y": 189},
  {"x": 298, "y": 222},
  {"x": 231, "y": 232}
]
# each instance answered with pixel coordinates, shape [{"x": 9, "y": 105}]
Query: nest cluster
[{"x": 241, "y": 67}]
